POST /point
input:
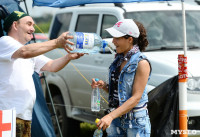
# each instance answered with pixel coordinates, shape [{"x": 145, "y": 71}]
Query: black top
[{"x": 113, "y": 96}]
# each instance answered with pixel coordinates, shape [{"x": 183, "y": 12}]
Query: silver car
[{"x": 71, "y": 88}]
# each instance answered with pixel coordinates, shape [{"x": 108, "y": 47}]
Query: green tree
[
  {"x": 42, "y": 23},
  {"x": 42, "y": 27}
]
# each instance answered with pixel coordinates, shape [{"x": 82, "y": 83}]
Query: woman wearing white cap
[{"x": 128, "y": 77}]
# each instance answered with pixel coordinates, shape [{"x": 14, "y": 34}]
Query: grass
[{"x": 87, "y": 130}]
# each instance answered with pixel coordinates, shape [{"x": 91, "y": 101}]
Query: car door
[{"x": 93, "y": 65}]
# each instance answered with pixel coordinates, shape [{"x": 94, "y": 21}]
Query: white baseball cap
[{"x": 124, "y": 27}]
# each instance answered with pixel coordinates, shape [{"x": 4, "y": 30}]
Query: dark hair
[
  {"x": 11, "y": 27},
  {"x": 135, "y": 40},
  {"x": 141, "y": 41}
]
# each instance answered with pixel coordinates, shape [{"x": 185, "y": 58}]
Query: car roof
[
  {"x": 161, "y": 6},
  {"x": 132, "y": 7},
  {"x": 92, "y": 9}
]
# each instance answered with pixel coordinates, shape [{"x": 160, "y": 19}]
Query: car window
[
  {"x": 87, "y": 23},
  {"x": 193, "y": 28},
  {"x": 164, "y": 28},
  {"x": 60, "y": 24},
  {"x": 108, "y": 21}
]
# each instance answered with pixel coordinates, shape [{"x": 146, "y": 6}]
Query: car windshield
[{"x": 165, "y": 29}]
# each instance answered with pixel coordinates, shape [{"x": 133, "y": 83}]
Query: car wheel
[{"x": 69, "y": 127}]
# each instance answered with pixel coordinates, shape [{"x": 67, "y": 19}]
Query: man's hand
[
  {"x": 73, "y": 56},
  {"x": 62, "y": 41}
]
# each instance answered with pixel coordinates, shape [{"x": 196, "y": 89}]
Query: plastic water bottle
[
  {"x": 95, "y": 99},
  {"x": 87, "y": 42},
  {"x": 97, "y": 132}
]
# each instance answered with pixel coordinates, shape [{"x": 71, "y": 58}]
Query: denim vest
[{"x": 126, "y": 79}]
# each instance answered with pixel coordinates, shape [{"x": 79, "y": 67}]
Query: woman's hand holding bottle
[{"x": 99, "y": 83}]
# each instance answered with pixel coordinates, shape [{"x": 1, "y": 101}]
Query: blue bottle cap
[
  {"x": 105, "y": 43},
  {"x": 96, "y": 79}
]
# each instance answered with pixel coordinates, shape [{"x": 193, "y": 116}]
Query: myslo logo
[{"x": 176, "y": 132}]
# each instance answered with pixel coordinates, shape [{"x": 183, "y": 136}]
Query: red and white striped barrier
[{"x": 8, "y": 123}]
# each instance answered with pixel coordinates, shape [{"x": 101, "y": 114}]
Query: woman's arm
[
  {"x": 106, "y": 87},
  {"x": 140, "y": 81}
]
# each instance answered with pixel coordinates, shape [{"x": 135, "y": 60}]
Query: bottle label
[
  {"x": 95, "y": 103},
  {"x": 84, "y": 40},
  {"x": 98, "y": 103}
]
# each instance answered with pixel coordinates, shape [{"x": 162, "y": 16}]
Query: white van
[{"x": 163, "y": 21}]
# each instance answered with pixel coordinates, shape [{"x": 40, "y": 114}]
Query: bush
[
  {"x": 87, "y": 129},
  {"x": 42, "y": 26}
]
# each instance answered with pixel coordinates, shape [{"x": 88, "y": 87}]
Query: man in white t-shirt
[{"x": 18, "y": 63}]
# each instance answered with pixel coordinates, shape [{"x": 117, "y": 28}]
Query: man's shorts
[{"x": 23, "y": 128}]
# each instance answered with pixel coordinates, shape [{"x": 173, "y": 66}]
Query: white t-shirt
[{"x": 17, "y": 89}]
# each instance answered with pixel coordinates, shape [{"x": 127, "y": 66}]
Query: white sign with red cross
[{"x": 8, "y": 123}]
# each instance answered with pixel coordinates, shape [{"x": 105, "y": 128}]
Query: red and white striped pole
[{"x": 182, "y": 67}]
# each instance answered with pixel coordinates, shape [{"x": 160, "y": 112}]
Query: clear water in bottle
[
  {"x": 87, "y": 42},
  {"x": 98, "y": 133},
  {"x": 95, "y": 99}
]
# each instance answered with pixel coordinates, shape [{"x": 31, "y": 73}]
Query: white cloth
[{"x": 17, "y": 88}]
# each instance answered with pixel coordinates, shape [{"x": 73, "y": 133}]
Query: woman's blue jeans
[{"x": 139, "y": 126}]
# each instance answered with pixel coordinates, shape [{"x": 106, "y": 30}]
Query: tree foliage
[
  {"x": 44, "y": 27},
  {"x": 42, "y": 23}
]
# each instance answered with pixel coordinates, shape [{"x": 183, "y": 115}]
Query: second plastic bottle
[
  {"x": 98, "y": 132},
  {"x": 95, "y": 99}
]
